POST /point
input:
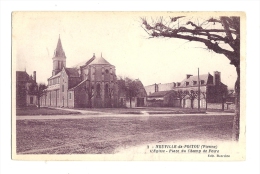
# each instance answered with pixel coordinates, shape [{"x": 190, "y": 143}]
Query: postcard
[{"x": 128, "y": 86}]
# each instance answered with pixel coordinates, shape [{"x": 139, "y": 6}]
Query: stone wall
[{"x": 219, "y": 106}]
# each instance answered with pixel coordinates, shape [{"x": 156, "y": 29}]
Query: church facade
[{"x": 91, "y": 84}]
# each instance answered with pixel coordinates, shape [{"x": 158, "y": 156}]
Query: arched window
[
  {"x": 98, "y": 91},
  {"x": 106, "y": 90}
]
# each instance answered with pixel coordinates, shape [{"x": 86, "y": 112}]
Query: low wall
[{"x": 219, "y": 106}]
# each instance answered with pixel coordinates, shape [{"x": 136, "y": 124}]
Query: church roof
[
  {"x": 59, "y": 50},
  {"x": 80, "y": 83},
  {"x": 84, "y": 62},
  {"x": 93, "y": 61},
  {"x": 57, "y": 75},
  {"x": 99, "y": 61},
  {"x": 72, "y": 72}
]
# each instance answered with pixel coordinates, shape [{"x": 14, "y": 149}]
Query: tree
[
  {"x": 181, "y": 95},
  {"x": 212, "y": 32},
  {"x": 192, "y": 96},
  {"x": 38, "y": 90},
  {"x": 109, "y": 92},
  {"x": 89, "y": 90},
  {"x": 131, "y": 88},
  {"x": 204, "y": 96}
]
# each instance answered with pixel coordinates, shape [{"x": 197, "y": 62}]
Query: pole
[{"x": 198, "y": 89}]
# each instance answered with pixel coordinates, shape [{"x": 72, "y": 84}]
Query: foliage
[
  {"x": 130, "y": 87},
  {"x": 38, "y": 90}
]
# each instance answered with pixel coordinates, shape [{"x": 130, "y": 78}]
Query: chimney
[
  {"x": 217, "y": 78},
  {"x": 188, "y": 76},
  {"x": 34, "y": 76},
  {"x": 156, "y": 87}
]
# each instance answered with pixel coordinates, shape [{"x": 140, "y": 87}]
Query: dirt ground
[
  {"x": 98, "y": 135},
  {"x": 43, "y": 111}
]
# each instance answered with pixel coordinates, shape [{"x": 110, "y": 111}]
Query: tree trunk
[
  {"x": 130, "y": 102},
  {"x": 223, "y": 105},
  {"x": 89, "y": 102},
  {"x": 206, "y": 103},
  {"x": 180, "y": 103},
  {"x": 38, "y": 98},
  {"x": 191, "y": 104},
  {"x": 236, "y": 121}
]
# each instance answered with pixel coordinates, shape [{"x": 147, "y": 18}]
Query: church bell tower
[{"x": 59, "y": 59}]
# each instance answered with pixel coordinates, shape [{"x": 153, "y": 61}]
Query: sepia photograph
[{"x": 167, "y": 86}]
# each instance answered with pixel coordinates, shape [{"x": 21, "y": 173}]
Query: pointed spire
[{"x": 59, "y": 50}]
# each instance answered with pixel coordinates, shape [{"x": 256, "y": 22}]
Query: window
[
  {"x": 62, "y": 90},
  {"x": 194, "y": 82},
  {"x": 98, "y": 91},
  {"x": 106, "y": 90},
  {"x": 202, "y": 82},
  {"x": 107, "y": 71},
  {"x": 31, "y": 100},
  {"x": 187, "y": 83},
  {"x": 70, "y": 95}
]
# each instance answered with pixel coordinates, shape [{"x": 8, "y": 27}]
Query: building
[
  {"x": 92, "y": 83},
  {"x": 210, "y": 88},
  {"x": 25, "y": 95},
  {"x": 163, "y": 99}
]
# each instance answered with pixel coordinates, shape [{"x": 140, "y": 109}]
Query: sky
[{"x": 121, "y": 40}]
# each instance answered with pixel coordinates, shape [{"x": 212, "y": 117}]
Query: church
[{"x": 91, "y": 84}]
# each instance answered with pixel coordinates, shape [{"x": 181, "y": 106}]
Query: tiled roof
[
  {"x": 22, "y": 76},
  {"x": 72, "y": 72},
  {"x": 78, "y": 85},
  {"x": 160, "y": 93},
  {"x": 84, "y": 62},
  {"x": 57, "y": 75},
  {"x": 99, "y": 61},
  {"x": 203, "y": 77}
]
